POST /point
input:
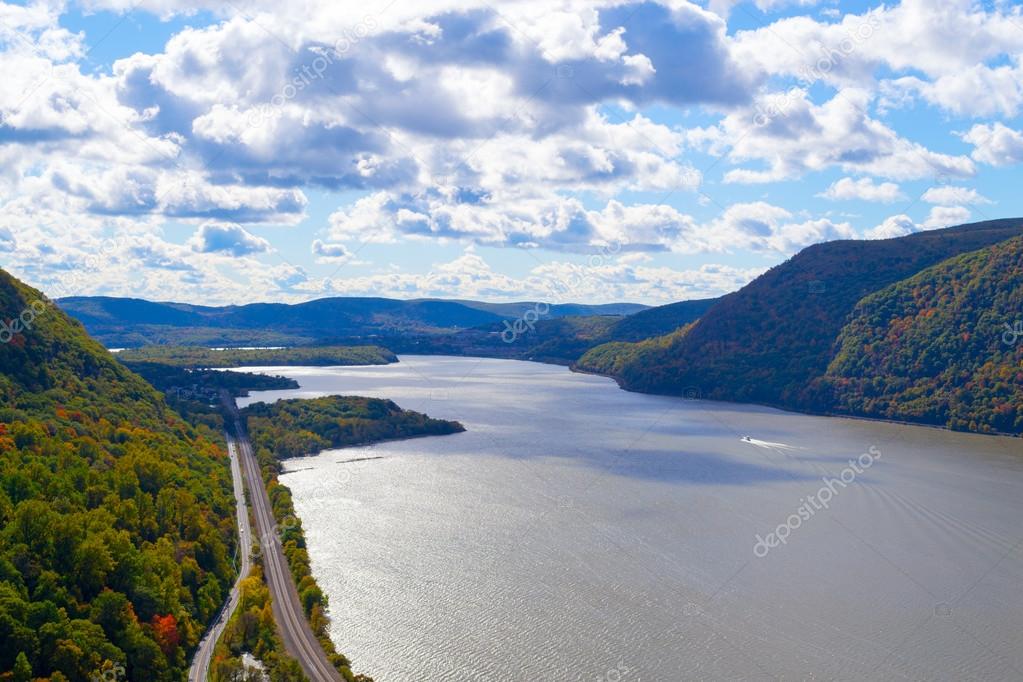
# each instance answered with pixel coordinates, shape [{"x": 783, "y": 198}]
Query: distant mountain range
[
  {"x": 559, "y": 340},
  {"x": 520, "y": 308},
  {"x": 908, "y": 328},
  {"x": 131, "y": 322}
]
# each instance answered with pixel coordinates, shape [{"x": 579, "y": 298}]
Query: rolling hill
[
  {"x": 129, "y": 322},
  {"x": 765, "y": 342},
  {"x": 126, "y": 322}
]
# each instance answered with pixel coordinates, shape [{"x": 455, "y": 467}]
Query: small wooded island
[{"x": 293, "y": 428}]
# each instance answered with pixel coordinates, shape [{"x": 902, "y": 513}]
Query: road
[
  {"x": 299, "y": 640},
  {"x": 204, "y": 654}
]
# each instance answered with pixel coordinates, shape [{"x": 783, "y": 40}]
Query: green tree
[{"x": 22, "y": 668}]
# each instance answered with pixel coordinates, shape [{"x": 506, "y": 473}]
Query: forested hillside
[
  {"x": 767, "y": 341},
  {"x": 612, "y": 358},
  {"x": 117, "y": 516},
  {"x": 888, "y": 329},
  {"x": 942, "y": 347}
]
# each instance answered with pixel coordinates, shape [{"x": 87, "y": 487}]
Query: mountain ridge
[{"x": 770, "y": 341}]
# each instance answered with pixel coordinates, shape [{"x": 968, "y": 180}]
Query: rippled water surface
[{"x": 580, "y": 532}]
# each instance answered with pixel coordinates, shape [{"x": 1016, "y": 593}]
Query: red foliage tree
[{"x": 165, "y": 629}]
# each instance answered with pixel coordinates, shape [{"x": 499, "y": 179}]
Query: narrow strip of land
[
  {"x": 297, "y": 635},
  {"x": 204, "y": 653}
]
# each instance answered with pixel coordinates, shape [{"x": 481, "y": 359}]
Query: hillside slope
[
  {"x": 767, "y": 341},
  {"x": 116, "y": 515},
  {"x": 940, "y": 347},
  {"x": 661, "y": 320}
]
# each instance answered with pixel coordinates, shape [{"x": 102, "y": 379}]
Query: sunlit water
[{"x": 580, "y": 532}]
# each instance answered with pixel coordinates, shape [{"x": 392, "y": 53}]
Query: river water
[{"x": 576, "y": 531}]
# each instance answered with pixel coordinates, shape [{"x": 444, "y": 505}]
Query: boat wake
[{"x": 768, "y": 444}]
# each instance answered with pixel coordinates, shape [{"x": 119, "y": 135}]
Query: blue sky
[{"x": 584, "y": 151}]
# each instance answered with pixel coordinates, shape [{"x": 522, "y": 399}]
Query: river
[{"x": 576, "y": 531}]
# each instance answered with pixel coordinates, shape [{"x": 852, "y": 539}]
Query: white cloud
[
  {"x": 902, "y": 225},
  {"x": 980, "y": 90},
  {"x": 995, "y": 144},
  {"x": 953, "y": 195},
  {"x": 946, "y": 216},
  {"x": 762, "y": 226},
  {"x": 792, "y": 136},
  {"x": 864, "y": 189},
  {"x": 912, "y": 35},
  {"x": 229, "y": 239},
  {"x": 563, "y": 224},
  {"x": 470, "y": 276},
  {"x": 892, "y": 227},
  {"x": 333, "y": 253},
  {"x": 556, "y": 125}
]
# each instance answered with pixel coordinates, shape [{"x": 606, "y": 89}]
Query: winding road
[
  {"x": 204, "y": 653},
  {"x": 299, "y": 640}
]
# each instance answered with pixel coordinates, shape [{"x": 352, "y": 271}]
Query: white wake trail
[{"x": 769, "y": 444}]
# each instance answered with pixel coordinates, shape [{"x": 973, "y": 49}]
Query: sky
[{"x": 549, "y": 150}]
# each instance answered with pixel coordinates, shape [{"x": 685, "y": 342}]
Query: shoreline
[
  {"x": 368, "y": 444},
  {"x": 791, "y": 410}
]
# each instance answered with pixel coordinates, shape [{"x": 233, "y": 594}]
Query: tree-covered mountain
[
  {"x": 942, "y": 347},
  {"x": 116, "y": 515},
  {"x": 782, "y": 340},
  {"x": 767, "y": 341}
]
